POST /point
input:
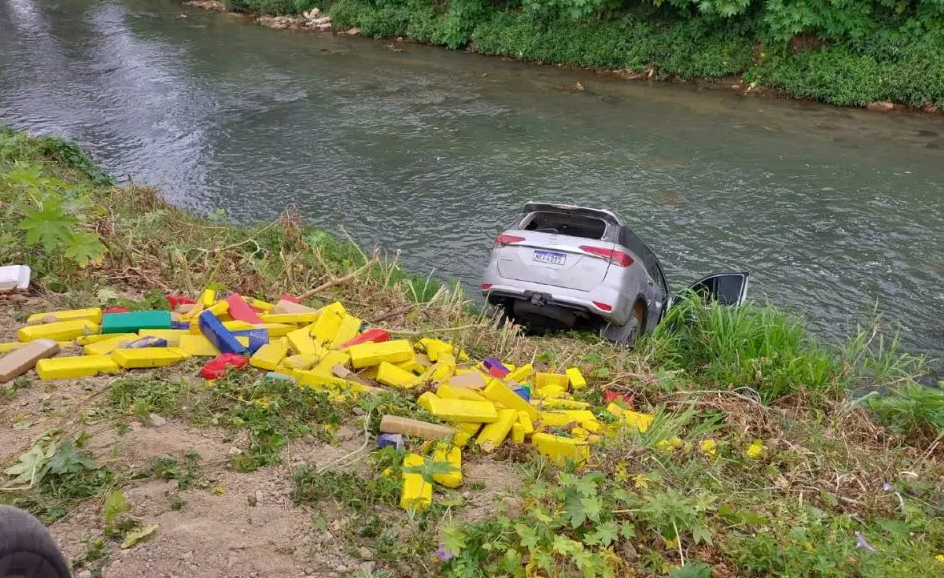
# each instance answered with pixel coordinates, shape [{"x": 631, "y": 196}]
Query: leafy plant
[
  {"x": 567, "y": 529},
  {"x": 169, "y": 468},
  {"x": 115, "y": 505},
  {"x": 51, "y": 211},
  {"x": 53, "y": 474}
]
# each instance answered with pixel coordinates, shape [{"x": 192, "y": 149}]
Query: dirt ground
[{"x": 228, "y": 524}]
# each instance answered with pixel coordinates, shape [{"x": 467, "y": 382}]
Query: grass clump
[
  {"x": 771, "y": 352},
  {"x": 911, "y": 409},
  {"x": 170, "y": 468},
  {"x": 52, "y": 477},
  {"x": 754, "y": 346},
  {"x": 349, "y": 490},
  {"x": 64, "y": 220}
]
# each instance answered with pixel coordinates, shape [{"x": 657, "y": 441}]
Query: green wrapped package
[{"x": 135, "y": 321}]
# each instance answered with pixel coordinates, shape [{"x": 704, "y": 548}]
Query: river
[{"x": 833, "y": 211}]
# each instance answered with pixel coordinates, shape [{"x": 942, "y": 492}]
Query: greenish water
[{"x": 431, "y": 151}]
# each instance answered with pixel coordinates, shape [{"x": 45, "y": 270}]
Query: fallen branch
[
  {"x": 337, "y": 281},
  {"x": 395, "y": 313}
]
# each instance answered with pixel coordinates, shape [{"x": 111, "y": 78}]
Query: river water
[{"x": 833, "y": 211}]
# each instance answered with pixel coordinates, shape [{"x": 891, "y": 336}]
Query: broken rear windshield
[{"x": 564, "y": 224}]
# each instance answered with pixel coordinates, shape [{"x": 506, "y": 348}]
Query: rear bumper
[{"x": 550, "y": 296}]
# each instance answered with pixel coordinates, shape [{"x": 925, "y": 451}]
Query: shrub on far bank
[{"x": 852, "y": 60}]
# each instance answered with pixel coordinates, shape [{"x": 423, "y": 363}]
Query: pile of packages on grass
[{"x": 329, "y": 349}]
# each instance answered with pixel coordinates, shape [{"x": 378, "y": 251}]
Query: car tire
[
  {"x": 626, "y": 335},
  {"x": 27, "y": 550}
]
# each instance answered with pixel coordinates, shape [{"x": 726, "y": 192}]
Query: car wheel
[
  {"x": 626, "y": 335},
  {"x": 26, "y": 548}
]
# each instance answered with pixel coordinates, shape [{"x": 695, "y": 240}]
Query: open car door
[{"x": 725, "y": 288}]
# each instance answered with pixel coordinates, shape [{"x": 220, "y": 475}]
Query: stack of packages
[{"x": 331, "y": 350}]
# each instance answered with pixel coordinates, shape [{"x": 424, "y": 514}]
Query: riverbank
[
  {"x": 756, "y": 464},
  {"x": 899, "y": 65}
]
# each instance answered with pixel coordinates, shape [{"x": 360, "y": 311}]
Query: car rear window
[{"x": 565, "y": 224}]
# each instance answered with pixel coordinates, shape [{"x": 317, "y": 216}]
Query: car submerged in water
[{"x": 563, "y": 267}]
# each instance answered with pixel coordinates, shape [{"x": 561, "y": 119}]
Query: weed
[
  {"x": 350, "y": 490},
  {"x": 145, "y": 394},
  {"x": 52, "y": 476},
  {"x": 93, "y": 556},
  {"x": 169, "y": 468},
  {"x": 912, "y": 408}
]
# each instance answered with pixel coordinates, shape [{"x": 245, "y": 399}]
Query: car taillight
[
  {"x": 616, "y": 257},
  {"x": 502, "y": 240},
  {"x": 486, "y": 286},
  {"x": 603, "y": 306}
]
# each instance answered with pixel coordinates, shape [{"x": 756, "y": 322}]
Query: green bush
[{"x": 277, "y": 7}]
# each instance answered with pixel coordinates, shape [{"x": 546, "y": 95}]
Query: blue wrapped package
[{"x": 221, "y": 337}]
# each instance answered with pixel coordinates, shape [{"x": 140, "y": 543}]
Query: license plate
[{"x": 549, "y": 257}]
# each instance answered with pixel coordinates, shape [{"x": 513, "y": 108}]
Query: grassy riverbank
[
  {"x": 849, "y": 54},
  {"x": 756, "y": 465}
]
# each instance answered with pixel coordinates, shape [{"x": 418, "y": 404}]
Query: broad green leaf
[
  {"x": 627, "y": 530},
  {"x": 624, "y": 496},
  {"x": 67, "y": 461},
  {"x": 607, "y": 532},
  {"x": 544, "y": 560},
  {"x": 529, "y": 537},
  {"x": 567, "y": 480},
  {"x": 540, "y": 516},
  {"x": 511, "y": 561},
  {"x": 83, "y": 247},
  {"x": 592, "y": 508},
  {"x": 134, "y": 537},
  {"x": 47, "y": 227},
  {"x": 32, "y": 466},
  {"x": 26, "y": 176},
  {"x": 564, "y": 545},
  {"x": 454, "y": 539},
  {"x": 583, "y": 559},
  {"x": 587, "y": 485},
  {"x": 701, "y": 534},
  {"x": 115, "y": 505},
  {"x": 575, "y": 512}
]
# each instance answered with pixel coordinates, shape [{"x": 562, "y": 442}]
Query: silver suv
[{"x": 561, "y": 266}]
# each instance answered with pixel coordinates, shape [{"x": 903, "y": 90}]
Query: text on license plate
[{"x": 551, "y": 257}]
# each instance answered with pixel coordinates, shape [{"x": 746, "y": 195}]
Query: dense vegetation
[{"x": 845, "y": 52}]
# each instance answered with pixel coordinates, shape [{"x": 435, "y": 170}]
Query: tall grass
[
  {"x": 771, "y": 351},
  {"x": 754, "y": 346},
  {"x": 912, "y": 408},
  {"x": 170, "y": 249}
]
